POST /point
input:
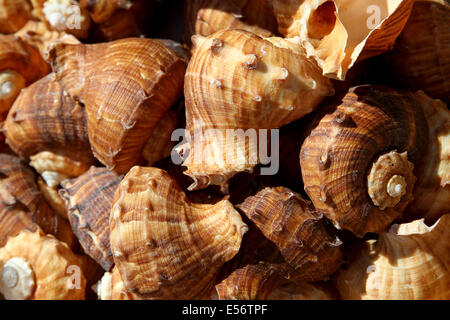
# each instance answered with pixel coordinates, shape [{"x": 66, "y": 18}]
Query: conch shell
[
  {"x": 126, "y": 87},
  {"x": 357, "y": 163},
  {"x": 89, "y": 200},
  {"x": 420, "y": 57},
  {"x": 164, "y": 246},
  {"x": 118, "y": 19},
  {"x": 432, "y": 189},
  {"x": 14, "y": 14},
  {"x": 264, "y": 86},
  {"x": 36, "y": 266},
  {"x": 340, "y": 32},
  {"x": 20, "y": 192},
  {"x": 409, "y": 262},
  {"x": 205, "y": 17},
  {"x": 63, "y": 16}
]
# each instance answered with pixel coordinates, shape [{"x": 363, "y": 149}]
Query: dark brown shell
[
  {"x": 45, "y": 118},
  {"x": 338, "y": 154},
  {"x": 310, "y": 248},
  {"x": 18, "y": 183},
  {"x": 127, "y": 86},
  {"x": 89, "y": 200}
]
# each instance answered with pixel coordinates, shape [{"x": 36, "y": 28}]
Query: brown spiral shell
[
  {"x": 20, "y": 192},
  {"x": 310, "y": 248},
  {"x": 89, "y": 200},
  {"x": 375, "y": 131},
  {"x": 164, "y": 246},
  {"x": 127, "y": 86},
  {"x": 14, "y": 14},
  {"x": 264, "y": 86}
]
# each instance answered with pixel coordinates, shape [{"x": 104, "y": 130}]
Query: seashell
[
  {"x": 338, "y": 33},
  {"x": 164, "y": 246},
  {"x": 45, "y": 118},
  {"x": 205, "y": 17},
  {"x": 52, "y": 197},
  {"x": 252, "y": 282},
  {"x": 12, "y": 221},
  {"x": 357, "y": 163},
  {"x": 14, "y": 14},
  {"x": 420, "y": 57},
  {"x": 20, "y": 192},
  {"x": 118, "y": 19},
  {"x": 36, "y": 33},
  {"x": 89, "y": 200},
  {"x": 63, "y": 16},
  {"x": 410, "y": 262},
  {"x": 310, "y": 248},
  {"x": 111, "y": 287},
  {"x": 302, "y": 291},
  {"x": 126, "y": 86},
  {"x": 159, "y": 145},
  {"x": 20, "y": 65},
  {"x": 264, "y": 86},
  {"x": 35, "y": 266},
  {"x": 432, "y": 189}
]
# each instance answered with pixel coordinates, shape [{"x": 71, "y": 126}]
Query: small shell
[
  {"x": 432, "y": 188},
  {"x": 420, "y": 58},
  {"x": 348, "y": 141},
  {"x": 89, "y": 200},
  {"x": 264, "y": 86},
  {"x": 118, "y": 19},
  {"x": 126, "y": 86},
  {"x": 310, "y": 248},
  {"x": 14, "y": 14},
  {"x": 36, "y": 266},
  {"x": 410, "y": 262},
  {"x": 164, "y": 246},
  {"x": 111, "y": 287},
  {"x": 205, "y": 17},
  {"x": 338, "y": 33},
  {"x": 18, "y": 185}
]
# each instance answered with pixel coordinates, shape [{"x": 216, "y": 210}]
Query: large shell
[
  {"x": 237, "y": 81},
  {"x": 421, "y": 55},
  {"x": 357, "y": 162},
  {"x": 165, "y": 246},
  {"x": 14, "y": 14},
  {"x": 118, "y": 19},
  {"x": 63, "y": 16},
  {"x": 205, "y": 17},
  {"x": 43, "y": 268},
  {"x": 89, "y": 200},
  {"x": 309, "y": 246},
  {"x": 338, "y": 33},
  {"x": 127, "y": 86},
  {"x": 409, "y": 262},
  {"x": 432, "y": 189},
  {"x": 18, "y": 185},
  {"x": 111, "y": 287}
]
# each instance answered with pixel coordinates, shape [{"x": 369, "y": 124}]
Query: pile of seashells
[{"x": 97, "y": 201}]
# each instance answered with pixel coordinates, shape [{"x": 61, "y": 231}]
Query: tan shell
[
  {"x": 12, "y": 221},
  {"x": 118, "y": 19},
  {"x": 205, "y": 17},
  {"x": 89, "y": 200},
  {"x": 63, "y": 16},
  {"x": 338, "y": 33},
  {"x": 310, "y": 248},
  {"x": 432, "y": 188},
  {"x": 371, "y": 129},
  {"x": 164, "y": 246},
  {"x": 111, "y": 287},
  {"x": 20, "y": 192},
  {"x": 126, "y": 86},
  {"x": 14, "y": 14},
  {"x": 421, "y": 55},
  {"x": 56, "y": 271},
  {"x": 245, "y": 95},
  {"x": 410, "y": 262}
]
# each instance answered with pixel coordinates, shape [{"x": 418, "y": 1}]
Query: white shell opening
[{"x": 17, "y": 279}]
